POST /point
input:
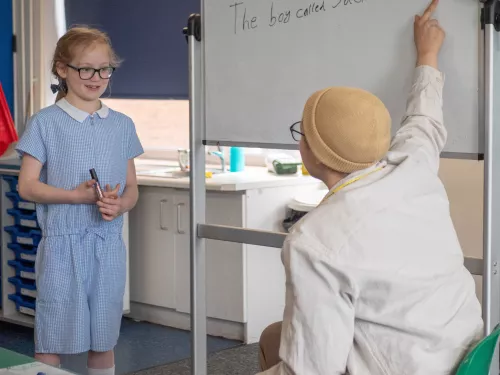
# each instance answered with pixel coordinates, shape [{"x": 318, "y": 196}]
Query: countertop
[{"x": 250, "y": 178}]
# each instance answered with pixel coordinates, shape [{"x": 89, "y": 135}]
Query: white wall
[
  {"x": 463, "y": 180},
  {"x": 53, "y": 27}
]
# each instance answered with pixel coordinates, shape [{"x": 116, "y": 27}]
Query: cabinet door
[
  {"x": 224, "y": 260},
  {"x": 182, "y": 251},
  {"x": 226, "y": 276},
  {"x": 152, "y": 252}
]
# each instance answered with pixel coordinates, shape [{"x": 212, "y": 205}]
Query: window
[{"x": 162, "y": 125}]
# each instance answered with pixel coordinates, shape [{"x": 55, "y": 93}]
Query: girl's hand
[
  {"x": 85, "y": 193},
  {"x": 429, "y": 36},
  {"x": 110, "y": 205}
]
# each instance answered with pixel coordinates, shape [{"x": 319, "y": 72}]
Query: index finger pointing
[{"x": 430, "y": 9}]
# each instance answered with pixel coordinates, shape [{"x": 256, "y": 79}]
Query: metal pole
[
  {"x": 198, "y": 199},
  {"x": 31, "y": 96},
  {"x": 16, "y": 39},
  {"x": 491, "y": 281}
]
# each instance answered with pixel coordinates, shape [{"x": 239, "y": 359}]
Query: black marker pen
[{"x": 97, "y": 184}]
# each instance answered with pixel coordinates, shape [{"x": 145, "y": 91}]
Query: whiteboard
[{"x": 263, "y": 58}]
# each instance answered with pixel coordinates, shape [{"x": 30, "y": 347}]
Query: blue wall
[{"x": 6, "y": 55}]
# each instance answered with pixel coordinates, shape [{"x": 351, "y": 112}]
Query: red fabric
[{"x": 8, "y": 134}]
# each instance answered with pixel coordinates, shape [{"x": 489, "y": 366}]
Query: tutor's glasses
[{"x": 295, "y": 130}]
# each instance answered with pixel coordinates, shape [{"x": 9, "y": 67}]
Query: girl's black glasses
[{"x": 88, "y": 73}]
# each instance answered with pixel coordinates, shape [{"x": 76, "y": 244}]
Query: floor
[
  {"x": 242, "y": 360},
  {"x": 141, "y": 346}
]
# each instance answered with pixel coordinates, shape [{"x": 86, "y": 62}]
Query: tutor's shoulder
[{"x": 329, "y": 226}]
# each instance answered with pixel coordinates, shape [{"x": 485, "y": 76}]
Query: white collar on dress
[{"x": 78, "y": 114}]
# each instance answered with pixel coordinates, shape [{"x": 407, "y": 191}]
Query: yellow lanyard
[{"x": 338, "y": 188}]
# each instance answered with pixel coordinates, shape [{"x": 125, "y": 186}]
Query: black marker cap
[{"x": 93, "y": 174}]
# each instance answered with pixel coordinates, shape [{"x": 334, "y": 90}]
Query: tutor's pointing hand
[{"x": 429, "y": 36}]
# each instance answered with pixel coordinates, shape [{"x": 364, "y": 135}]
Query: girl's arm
[
  {"x": 31, "y": 189},
  {"x": 131, "y": 191}
]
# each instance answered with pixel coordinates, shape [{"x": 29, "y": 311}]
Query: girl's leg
[
  {"x": 101, "y": 363},
  {"x": 48, "y": 359},
  {"x": 62, "y": 312},
  {"x": 106, "y": 303}
]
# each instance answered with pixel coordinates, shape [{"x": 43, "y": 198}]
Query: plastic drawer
[
  {"x": 24, "y": 236},
  {"x": 12, "y": 181},
  {"x": 24, "y": 287},
  {"x": 25, "y": 270},
  {"x": 24, "y": 218},
  {"x": 23, "y": 252},
  {"x": 19, "y": 203},
  {"x": 25, "y": 305}
]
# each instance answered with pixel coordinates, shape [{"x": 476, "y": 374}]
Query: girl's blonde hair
[{"x": 78, "y": 36}]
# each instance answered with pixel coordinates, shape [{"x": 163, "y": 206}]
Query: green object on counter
[{"x": 285, "y": 167}]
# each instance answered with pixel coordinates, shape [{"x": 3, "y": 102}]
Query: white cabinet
[
  {"x": 245, "y": 284},
  {"x": 160, "y": 259},
  {"x": 152, "y": 228}
]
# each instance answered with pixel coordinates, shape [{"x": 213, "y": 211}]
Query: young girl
[{"x": 81, "y": 260}]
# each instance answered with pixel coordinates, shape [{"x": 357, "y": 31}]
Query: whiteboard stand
[
  {"x": 200, "y": 230},
  {"x": 198, "y": 200},
  {"x": 490, "y": 20}
]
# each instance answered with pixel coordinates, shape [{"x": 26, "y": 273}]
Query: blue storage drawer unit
[{"x": 25, "y": 235}]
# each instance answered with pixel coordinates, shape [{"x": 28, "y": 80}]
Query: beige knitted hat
[{"x": 347, "y": 129}]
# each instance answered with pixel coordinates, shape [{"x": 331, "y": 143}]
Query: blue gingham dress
[{"x": 81, "y": 260}]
